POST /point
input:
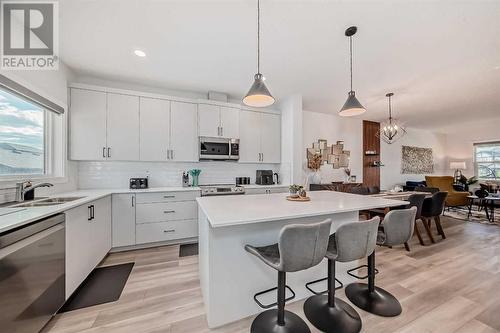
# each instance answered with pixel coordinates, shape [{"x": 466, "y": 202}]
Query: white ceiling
[{"x": 440, "y": 58}]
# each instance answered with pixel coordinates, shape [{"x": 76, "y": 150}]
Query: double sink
[{"x": 47, "y": 202}]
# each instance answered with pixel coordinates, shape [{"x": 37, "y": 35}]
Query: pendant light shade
[
  {"x": 391, "y": 129},
  {"x": 352, "y": 106},
  {"x": 258, "y": 95}
]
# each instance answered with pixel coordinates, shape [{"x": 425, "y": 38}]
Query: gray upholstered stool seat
[
  {"x": 397, "y": 228},
  {"x": 351, "y": 241},
  {"x": 299, "y": 247}
]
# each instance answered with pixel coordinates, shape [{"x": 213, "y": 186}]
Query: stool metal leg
[
  {"x": 372, "y": 298},
  {"x": 330, "y": 314},
  {"x": 279, "y": 320}
]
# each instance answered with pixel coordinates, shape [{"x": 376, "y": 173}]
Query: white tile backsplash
[{"x": 117, "y": 174}]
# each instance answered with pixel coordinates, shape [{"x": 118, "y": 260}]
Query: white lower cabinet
[
  {"x": 166, "y": 216},
  {"x": 123, "y": 219},
  {"x": 164, "y": 231},
  {"x": 154, "y": 217},
  {"x": 88, "y": 240}
]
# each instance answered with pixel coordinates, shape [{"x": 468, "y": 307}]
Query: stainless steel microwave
[{"x": 219, "y": 149}]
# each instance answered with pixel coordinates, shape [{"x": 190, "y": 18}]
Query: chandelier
[{"x": 391, "y": 130}]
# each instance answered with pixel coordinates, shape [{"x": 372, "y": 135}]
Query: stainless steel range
[{"x": 221, "y": 189}]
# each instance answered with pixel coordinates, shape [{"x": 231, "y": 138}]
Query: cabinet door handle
[
  {"x": 133, "y": 201},
  {"x": 90, "y": 213},
  {"x": 168, "y": 196},
  {"x": 171, "y": 153},
  {"x": 109, "y": 152},
  {"x": 169, "y": 230},
  {"x": 222, "y": 131},
  {"x": 168, "y": 211},
  {"x": 104, "y": 152},
  {"x": 262, "y": 158}
]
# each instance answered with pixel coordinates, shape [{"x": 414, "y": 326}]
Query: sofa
[{"x": 445, "y": 183}]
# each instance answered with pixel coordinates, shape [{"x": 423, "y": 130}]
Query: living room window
[{"x": 487, "y": 160}]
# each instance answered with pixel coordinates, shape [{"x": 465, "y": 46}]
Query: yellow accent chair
[{"x": 445, "y": 183}]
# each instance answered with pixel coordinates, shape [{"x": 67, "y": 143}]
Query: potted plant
[
  {"x": 294, "y": 190},
  {"x": 467, "y": 181}
]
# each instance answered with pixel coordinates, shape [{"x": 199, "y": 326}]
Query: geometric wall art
[
  {"x": 416, "y": 160},
  {"x": 321, "y": 153}
]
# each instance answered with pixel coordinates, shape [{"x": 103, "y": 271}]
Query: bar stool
[
  {"x": 397, "y": 228},
  {"x": 351, "y": 241},
  {"x": 300, "y": 246}
]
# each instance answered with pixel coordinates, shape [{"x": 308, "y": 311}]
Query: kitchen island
[{"x": 229, "y": 276}]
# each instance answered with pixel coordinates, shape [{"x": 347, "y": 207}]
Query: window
[
  {"x": 22, "y": 136},
  {"x": 487, "y": 160}
]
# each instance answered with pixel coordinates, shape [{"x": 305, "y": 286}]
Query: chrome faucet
[{"x": 23, "y": 187}]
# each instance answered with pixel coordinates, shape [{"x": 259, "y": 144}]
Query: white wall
[
  {"x": 460, "y": 140},
  {"x": 334, "y": 128},
  {"x": 53, "y": 86},
  {"x": 350, "y": 130},
  {"x": 390, "y": 155},
  {"x": 291, "y": 139}
]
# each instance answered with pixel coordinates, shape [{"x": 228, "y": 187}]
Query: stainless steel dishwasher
[{"x": 32, "y": 266}]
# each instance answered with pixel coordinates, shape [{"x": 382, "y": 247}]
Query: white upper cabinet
[
  {"x": 230, "y": 122},
  {"x": 270, "y": 130},
  {"x": 88, "y": 125},
  {"x": 114, "y": 125},
  {"x": 154, "y": 129},
  {"x": 250, "y": 136},
  {"x": 209, "y": 120},
  {"x": 123, "y": 128},
  {"x": 183, "y": 132},
  {"x": 260, "y": 137},
  {"x": 218, "y": 121}
]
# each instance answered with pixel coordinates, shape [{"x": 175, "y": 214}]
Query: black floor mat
[
  {"x": 187, "y": 250},
  {"x": 103, "y": 285}
]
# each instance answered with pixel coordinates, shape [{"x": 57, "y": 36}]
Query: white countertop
[
  {"x": 21, "y": 216},
  {"x": 12, "y": 217},
  {"x": 269, "y": 207}
]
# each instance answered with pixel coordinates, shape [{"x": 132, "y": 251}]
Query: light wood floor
[{"x": 451, "y": 286}]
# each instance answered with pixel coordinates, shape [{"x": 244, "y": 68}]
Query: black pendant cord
[
  {"x": 258, "y": 36},
  {"x": 350, "y": 57},
  {"x": 390, "y": 110}
]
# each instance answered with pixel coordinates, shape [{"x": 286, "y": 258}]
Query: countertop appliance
[
  {"x": 264, "y": 177},
  {"x": 242, "y": 180},
  {"x": 32, "y": 266},
  {"x": 221, "y": 189},
  {"x": 138, "y": 183},
  {"x": 219, "y": 149}
]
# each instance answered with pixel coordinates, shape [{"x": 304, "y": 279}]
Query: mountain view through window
[{"x": 21, "y": 136}]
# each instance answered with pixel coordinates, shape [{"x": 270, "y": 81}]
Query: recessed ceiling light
[
  {"x": 140, "y": 53},
  {"x": 496, "y": 67}
]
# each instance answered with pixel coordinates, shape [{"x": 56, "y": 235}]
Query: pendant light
[
  {"x": 391, "y": 130},
  {"x": 258, "y": 95},
  {"x": 352, "y": 106}
]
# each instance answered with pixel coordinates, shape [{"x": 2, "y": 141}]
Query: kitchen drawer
[
  {"x": 167, "y": 196},
  {"x": 168, "y": 211},
  {"x": 164, "y": 231}
]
